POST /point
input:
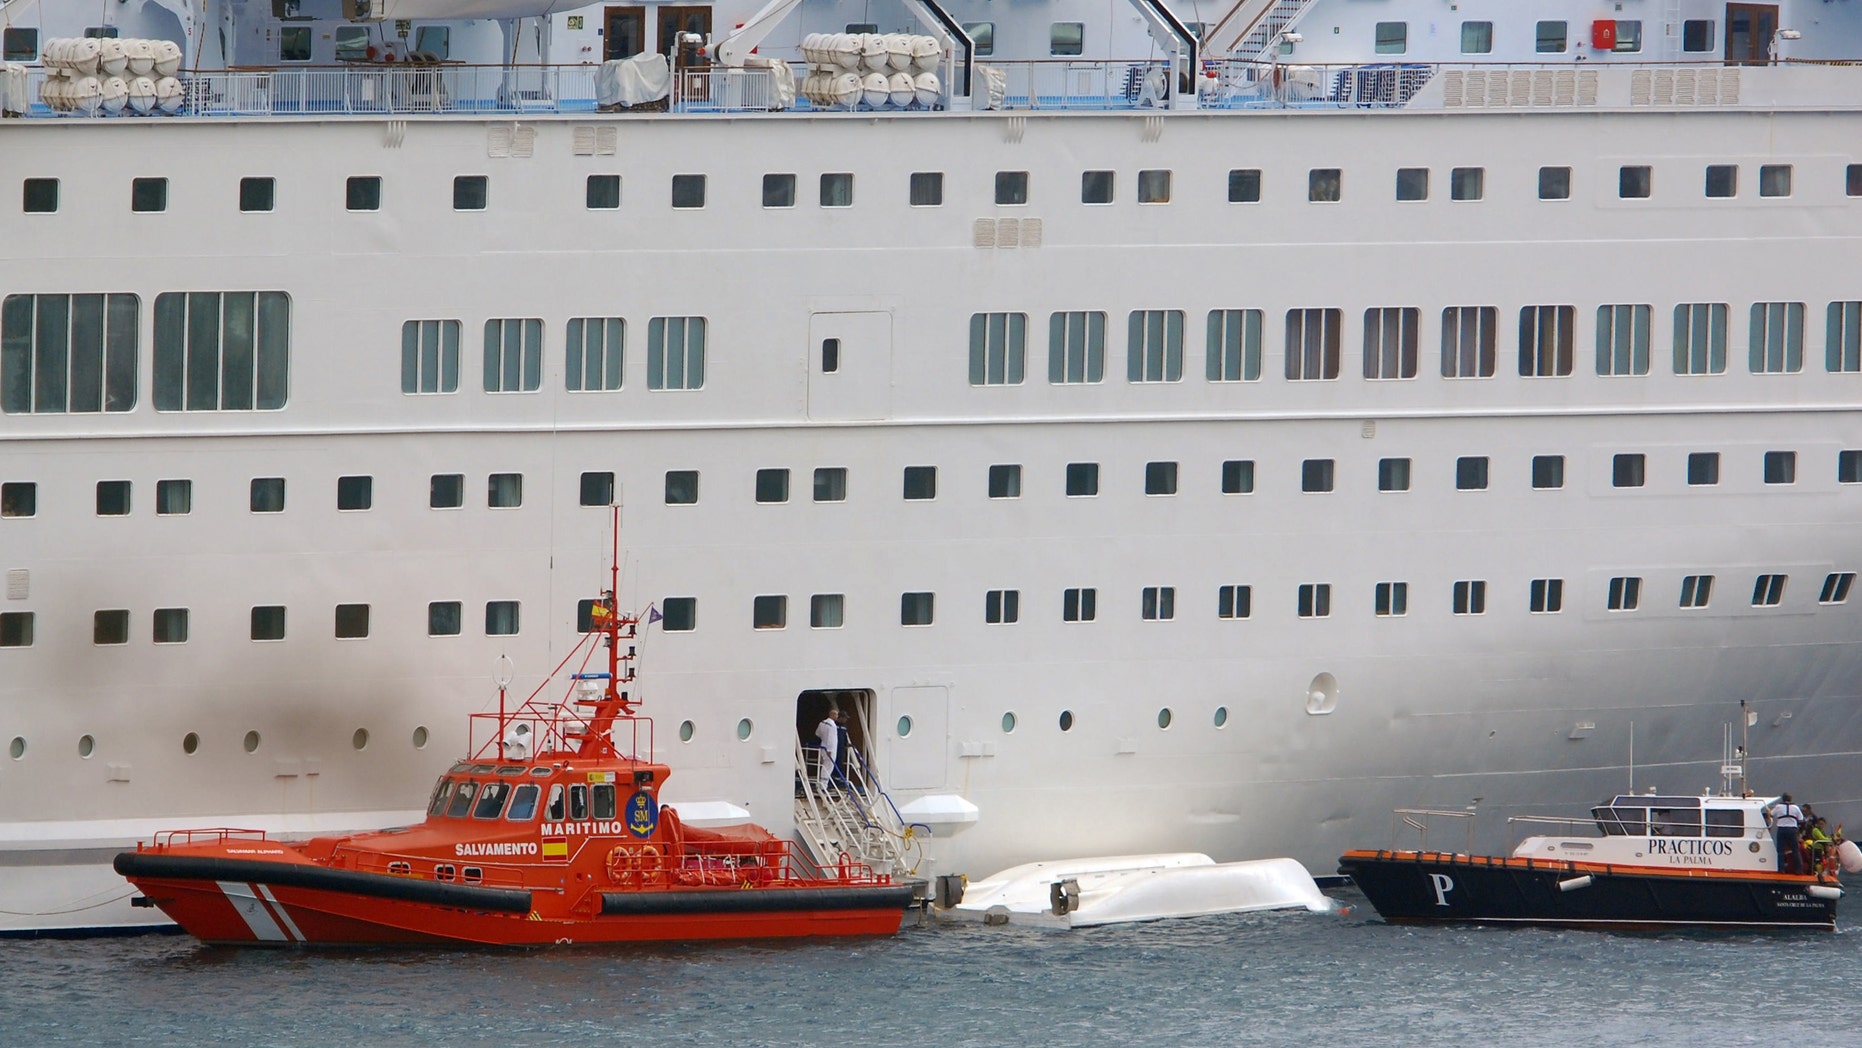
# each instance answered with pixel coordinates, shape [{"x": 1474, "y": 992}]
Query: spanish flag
[{"x": 556, "y": 848}]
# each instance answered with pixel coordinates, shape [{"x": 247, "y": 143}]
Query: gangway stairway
[
  {"x": 1252, "y": 28},
  {"x": 850, "y": 818}
]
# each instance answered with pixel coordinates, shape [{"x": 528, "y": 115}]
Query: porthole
[
  {"x": 1008, "y": 722},
  {"x": 252, "y": 741},
  {"x": 360, "y": 740},
  {"x": 743, "y": 729},
  {"x": 1066, "y": 720},
  {"x": 685, "y": 731},
  {"x": 420, "y": 737},
  {"x": 190, "y": 742},
  {"x": 905, "y": 726},
  {"x": 86, "y": 746},
  {"x": 1164, "y": 717},
  {"x": 1221, "y": 716},
  {"x": 18, "y": 748}
]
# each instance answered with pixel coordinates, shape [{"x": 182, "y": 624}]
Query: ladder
[
  {"x": 1255, "y": 27},
  {"x": 849, "y": 817}
]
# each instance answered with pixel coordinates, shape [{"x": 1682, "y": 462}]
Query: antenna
[{"x": 1632, "y": 756}]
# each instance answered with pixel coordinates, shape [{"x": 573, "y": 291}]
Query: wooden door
[
  {"x": 1749, "y": 32},
  {"x": 676, "y": 20},
  {"x": 624, "y": 33}
]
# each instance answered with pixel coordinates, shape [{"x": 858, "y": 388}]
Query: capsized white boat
[{"x": 1123, "y": 889}]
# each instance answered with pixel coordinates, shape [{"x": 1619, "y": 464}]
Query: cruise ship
[{"x": 1164, "y": 427}]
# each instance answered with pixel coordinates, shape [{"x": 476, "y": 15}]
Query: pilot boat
[
  {"x": 1657, "y": 862},
  {"x": 550, "y": 832}
]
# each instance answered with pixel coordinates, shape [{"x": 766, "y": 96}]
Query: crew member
[
  {"x": 1785, "y": 817},
  {"x": 827, "y": 734}
]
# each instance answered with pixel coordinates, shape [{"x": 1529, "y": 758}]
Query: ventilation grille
[
  {"x": 596, "y": 141},
  {"x": 18, "y": 584},
  {"x": 1006, "y": 233},
  {"x": 516, "y": 140}
]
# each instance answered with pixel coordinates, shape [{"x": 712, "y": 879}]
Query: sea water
[{"x": 1279, "y": 978}]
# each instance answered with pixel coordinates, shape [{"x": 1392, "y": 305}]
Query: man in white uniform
[
  {"x": 1785, "y": 817},
  {"x": 828, "y": 734}
]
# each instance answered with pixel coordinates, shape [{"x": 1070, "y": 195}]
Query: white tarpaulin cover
[
  {"x": 631, "y": 81},
  {"x": 454, "y": 9}
]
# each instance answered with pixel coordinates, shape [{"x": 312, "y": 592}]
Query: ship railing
[
  {"x": 724, "y": 90},
  {"x": 846, "y": 816},
  {"x": 1065, "y": 83},
  {"x": 209, "y": 835},
  {"x": 1418, "y": 819},
  {"x": 559, "y": 728}
]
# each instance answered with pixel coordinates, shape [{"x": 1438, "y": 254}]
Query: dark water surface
[{"x": 1285, "y": 978}]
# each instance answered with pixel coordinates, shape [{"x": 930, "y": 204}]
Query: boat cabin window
[
  {"x": 1726, "y": 822},
  {"x": 438, "y": 803},
  {"x": 604, "y": 800},
  {"x": 554, "y": 810},
  {"x": 524, "y": 803},
  {"x": 1621, "y": 822},
  {"x": 511, "y": 771},
  {"x": 578, "y": 801},
  {"x": 491, "y": 800},
  {"x": 462, "y": 800},
  {"x": 1674, "y": 822}
]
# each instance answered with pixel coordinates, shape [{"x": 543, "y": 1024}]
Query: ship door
[
  {"x": 676, "y": 20},
  {"x": 624, "y": 33},
  {"x": 849, "y": 365},
  {"x": 1749, "y": 32},
  {"x": 812, "y": 707}
]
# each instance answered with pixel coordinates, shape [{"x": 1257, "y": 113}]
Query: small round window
[
  {"x": 1066, "y": 720},
  {"x": 18, "y": 748},
  {"x": 360, "y": 739},
  {"x": 420, "y": 738},
  {"x": 1164, "y": 717},
  {"x": 685, "y": 731},
  {"x": 1008, "y": 722},
  {"x": 1221, "y": 716},
  {"x": 252, "y": 741},
  {"x": 744, "y": 728},
  {"x": 86, "y": 746},
  {"x": 905, "y": 726},
  {"x": 190, "y": 742}
]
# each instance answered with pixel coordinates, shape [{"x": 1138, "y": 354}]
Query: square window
[
  {"x": 830, "y": 355},
  {"x": 1471, "y": 597},
  {"x": 1158, "y": 604},
  {"x": 1722, "y": 181},
  {"x": 915, "y": 609},
  {"x": 1634, "y": 181},
  {"x": 1548, "y": 472},
  {"x": 1697, "y": 35},
  {"x": 1324, "y": 185},
  {"x": 174, "y": 497},
  {"x": 1781, "y": 467},
  {"x": 1412, "y": 183},
  {"x": 769, "y": 612},
  {"x": 1696, "y": 591},
  {"x": 1392, "y": 599},
  {"x": 1234, "y": 602},
  {"x": 1550, "y": 37},
  {"x": 1703, "y": 468},
  {"x": 1467, "y": 183},
  {"x": 113, "y": 498},
  {"x": 1625, "y": 593},
  {"x": 1244, "y": 185},
  {"x": 1547, "y": 596},
  {"x": 778, "y": 191},
  {"x": 446, "y": 491},
  {"x": 603, "y": 193},
  {"x": 16, "y": 629},
  {"x": 258, "y": 194},
  {"x": 1774, "y": 180},
  {"x": 772, "y": 485},
  {"x": 1082, "y": 479},
  {"x": 1848, "y": 468},
  {"x": 1154, "y": 187},
  {"x": 1836, "y": 586},
  {"x": 268, "y": 622},
  {"x": 1238, "y": 477},
  {"x": 355, "y": 493},
  {"x": 20, "y": 498},
  {"x": 1011, "y": 187},
  {"x": 363, "y": 193},
  {"x": 444, "y": 618},
  {"x": 688, "y": 191},
  {"x": 597, "y": 489},
  {"x": 1628, "y": 36},
  {"x": 1002, "y": 607},
  {"x": 983, "y": 36},
  {"x": 170, "y": 626},
  {"x": 928, "y": 186},
  {"x": 470, "y": 192},
  {"x": 1392, "y": 38},
  {"x": 1096, "y": 187},
  {"x": 1554, "y": 183},
  {"x": 837, "y": 189},
  {"x": 352, "y": 621},
  {"x": 681, "y": 487},
  {"x": 40, "y": 196},
  {"x": 1852, "y": 180},
  {"x": 1768, "y": 591},
  {"x": 1627, "y": 471},
  {"x": 148, "y": 195},
  {"x": 825, "y": 611},
  {"x": 1316, "y": 475},
  {"x": 501, "y": 618},
  {"x": 1079, "y": 605},
  {"x": 267, "y": 495},
  {"x": 1160, "y": 478},
  {"x": 110, "y": 627},
  {"x": 1315, "y": 600},
  {"x": 19, "y": 45},
  {"x": 831, "y": 484},
  {"x": 294, "y": 43},
  {"x": 1005, "y": 481},
  {"x": 504, "y": 490},
  {"x": 1066, "y": 38},
  {"x": 920, "y": 483},
  {"x": 1393, "y": 474},
  {"x": 1471, "y": 473},
  {"x": 1476, "y": 38}
]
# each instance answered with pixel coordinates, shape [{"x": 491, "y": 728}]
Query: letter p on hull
[{"x": 1443, "y": 884}]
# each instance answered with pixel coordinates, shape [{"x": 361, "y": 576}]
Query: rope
[{"x": 74, "y": 909}]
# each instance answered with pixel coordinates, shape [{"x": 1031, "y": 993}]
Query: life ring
[
  {"x": 648, "y": 866},
  {"x": 620, "y": 864}
]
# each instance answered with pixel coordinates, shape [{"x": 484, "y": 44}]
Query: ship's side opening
[{"x": 852, "y": 754}]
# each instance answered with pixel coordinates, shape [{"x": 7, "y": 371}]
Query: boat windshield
[
  {"x": 438, "y": 803},
  {"x": 524, "y": 803},
  {"x": 554, "y": 812},
  {"x": 462, "y": 800},
  {"x": 1674, "y": 822},
  {"x": 491, "y": 800}
]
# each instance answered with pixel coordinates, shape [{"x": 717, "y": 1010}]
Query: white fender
[{"x": 1850, "y": 856}]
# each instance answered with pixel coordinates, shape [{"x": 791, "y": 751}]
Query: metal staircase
[
  {"x": 848, "y": 817},
  {"x": 1252, "y": 28}
]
